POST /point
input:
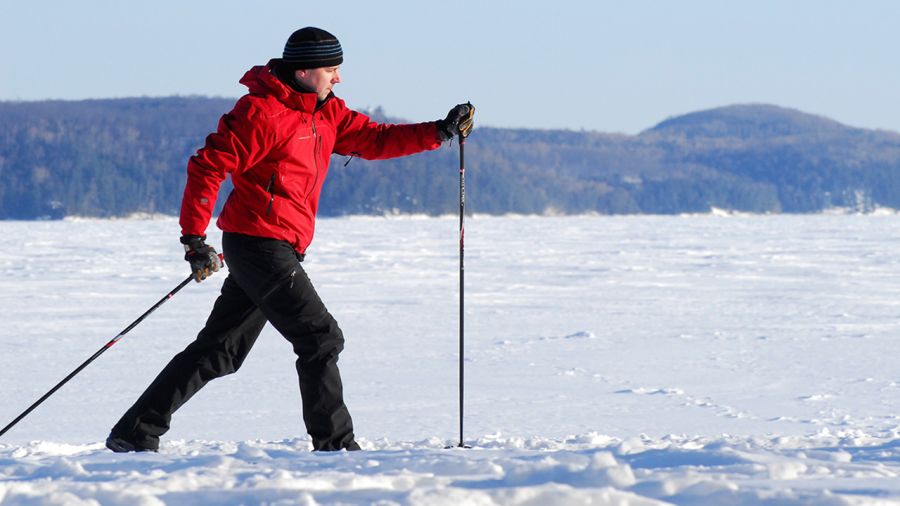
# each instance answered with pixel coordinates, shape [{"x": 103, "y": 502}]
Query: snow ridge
[{"x": 824, "y": 468}]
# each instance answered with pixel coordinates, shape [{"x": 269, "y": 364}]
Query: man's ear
[{"x": 299, "y": 74}]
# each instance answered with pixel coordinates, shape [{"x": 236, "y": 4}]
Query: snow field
[{"x": 610, "y": 360}]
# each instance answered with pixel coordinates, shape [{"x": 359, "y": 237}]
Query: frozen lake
[{"x": 752, "y": 353}]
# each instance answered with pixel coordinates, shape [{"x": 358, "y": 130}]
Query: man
[{"x": 276, "y": 144}]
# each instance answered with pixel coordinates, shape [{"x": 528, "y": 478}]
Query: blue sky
[{"x": 596, "y": 65}]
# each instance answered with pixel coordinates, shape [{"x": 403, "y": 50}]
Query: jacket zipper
[
  {"x": 271, "y": 189},
  {"x": 315, "y": 157}
]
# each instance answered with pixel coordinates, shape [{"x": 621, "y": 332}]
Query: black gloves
[
  {"x": 203, "y": 258},
  {"x": 458, "y": 121}
]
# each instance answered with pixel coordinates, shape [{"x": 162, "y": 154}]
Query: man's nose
[{"x": 337, "y": 77}]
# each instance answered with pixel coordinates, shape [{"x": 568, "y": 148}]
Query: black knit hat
[{"x": 310, "y": 48}]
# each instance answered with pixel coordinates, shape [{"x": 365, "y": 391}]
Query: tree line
[{"x": 117, "y": 157}]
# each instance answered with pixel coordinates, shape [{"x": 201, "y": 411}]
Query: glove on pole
[
  {"x": 203, "y": 258},
  {"x": 99, "y": 352},
  {"x": 458, "y": 121}
]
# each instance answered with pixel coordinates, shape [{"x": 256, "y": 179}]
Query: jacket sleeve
[
  {"x": 360, "y": 136},
  {"x": 240, "y": 141}
]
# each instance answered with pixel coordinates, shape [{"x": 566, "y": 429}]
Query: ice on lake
[{"x": 622, "y": 360}]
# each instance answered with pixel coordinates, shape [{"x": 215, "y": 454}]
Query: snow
[{"x": 705, "y": 359}]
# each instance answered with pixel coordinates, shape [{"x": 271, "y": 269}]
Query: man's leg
[
  {"x": 220, "y": 349},
  {"x": 317, "y": 341},
  {"x": 273, "y": 277}
]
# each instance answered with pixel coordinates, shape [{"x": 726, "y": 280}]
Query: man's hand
[
  {"x": 459, "y": 120},
  {"x": 203, "y": 258}
]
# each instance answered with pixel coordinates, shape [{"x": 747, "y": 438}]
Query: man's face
[{"x": 320, "y": 80}]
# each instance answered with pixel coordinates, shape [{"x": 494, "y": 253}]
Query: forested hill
[{"x": 117, "y": 157}]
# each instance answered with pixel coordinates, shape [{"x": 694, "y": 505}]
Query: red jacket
[{"x": 276, "y": 145}]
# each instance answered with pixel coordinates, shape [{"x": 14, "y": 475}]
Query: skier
[{"x": 276, "y": 144}]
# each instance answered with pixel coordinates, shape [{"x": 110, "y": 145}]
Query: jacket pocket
[
  {"x": 270, "y": 189},
  {"x": 306, "y": 134}
]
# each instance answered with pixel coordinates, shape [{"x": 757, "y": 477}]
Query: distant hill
[
  {"x": 749, "y": 121},
  {"x": 117, "y": 157},
  {"x": 782, "y": 160}
]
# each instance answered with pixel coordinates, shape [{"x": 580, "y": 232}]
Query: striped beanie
[{"x": 310, "y": 48}]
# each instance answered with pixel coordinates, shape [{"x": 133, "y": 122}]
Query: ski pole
[
  {"x": 462, "y": 273},
  {"x": 98, "y": 353},
  {"x": 462, "y": 269}
]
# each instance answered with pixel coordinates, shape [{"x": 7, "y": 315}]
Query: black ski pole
[
  {"x": 97, "y": 354},
  {"x": 462, "y": 272},
  {"x": 464, "y": 130}
]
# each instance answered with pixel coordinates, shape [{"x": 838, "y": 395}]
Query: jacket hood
[{"x": 262, "y": 81}]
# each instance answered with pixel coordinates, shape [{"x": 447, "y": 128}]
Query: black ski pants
[{"x": 265, "y": 283}]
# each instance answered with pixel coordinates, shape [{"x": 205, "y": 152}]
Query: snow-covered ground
[{"x": 610, "y": 360}]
